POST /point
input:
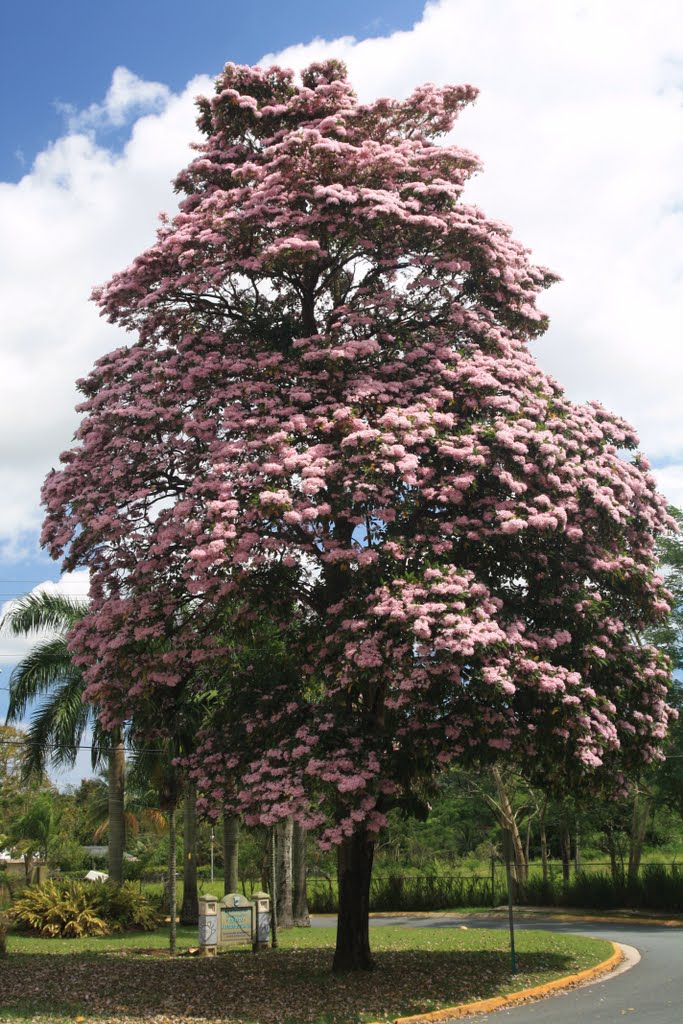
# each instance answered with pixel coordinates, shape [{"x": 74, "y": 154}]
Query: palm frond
[
  {"x": 43, "y": 611},
  {"x": 57, "y": 728},
  {"x": 46, "y": 666}
]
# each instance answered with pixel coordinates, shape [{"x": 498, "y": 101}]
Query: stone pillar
[
  {"x": 208, "y": 925},
  {"x": 261, "y": 901}
]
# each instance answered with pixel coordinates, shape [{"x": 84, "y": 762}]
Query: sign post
[
  {"x": 261, "y": 901},
  {"x": 507, "y": 853},
  {"x": 208, "y": 925},
  {"x": 234, "y": 921}
]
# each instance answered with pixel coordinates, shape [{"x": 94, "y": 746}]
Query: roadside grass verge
[{"x": 129, "y": 979}]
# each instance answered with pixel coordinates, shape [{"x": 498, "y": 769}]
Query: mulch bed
[{"x": 293, "y": 986}]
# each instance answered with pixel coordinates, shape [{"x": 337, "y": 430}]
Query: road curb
[
  {"x": 522, "y": 915},
  {"x": 660, "y": 922},
  {"x": 537, "y": 992}
]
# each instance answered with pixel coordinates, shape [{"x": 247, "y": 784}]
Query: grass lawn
[{"x": 129, "y": 979}]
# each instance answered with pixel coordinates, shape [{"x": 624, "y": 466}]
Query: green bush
[
  {"x": 657, "y": 887},
  {"x": 123, "y": 907},
  {"x": 67, "y": 854},
  {"x": 70, "y": 909},
  {"x": 4, "y": 924},
  {"x": 397, "y": 892},
  {"x": 5, "y": 890},
  {"x": 661, "y": 888},
  {"x": 62, "y": 910},
  {"x": 542, "y": 893}
]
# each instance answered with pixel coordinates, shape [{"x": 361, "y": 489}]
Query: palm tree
[
  {"x": 140, "y": 813},
  {"x": 60, "y": 721},
  {"x": 180, "y": 717},
  {"x": 155, "y": 769}
]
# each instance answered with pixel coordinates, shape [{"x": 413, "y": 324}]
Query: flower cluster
[{"x": 331, "y": 380}]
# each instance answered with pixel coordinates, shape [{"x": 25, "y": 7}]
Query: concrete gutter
[
  {"x": 529, "y": 914},
  {"x": 621, "y": 959}
]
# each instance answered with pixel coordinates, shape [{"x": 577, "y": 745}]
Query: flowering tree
[{"x": 331, "y": 410}]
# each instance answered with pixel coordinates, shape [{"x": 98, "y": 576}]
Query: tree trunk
[
  {"x": 28, "y": 867},
  {"x": 354, "y": 873},
  {"x": 642, "y": 806},
  {"x": 172, "y": 901},
  {"x": 544, "y": 839},
  {"x": 284, "y": 839},
  {"x": 300, "y": 901},
  {"x": 115, "y": 795},
  {"x": 508, "y": 821},
  {"x": 612, "y": 850},
  {"x": 189, "y": 911},
  {"x": 565, "y": 851},
  {"x": 231, "y": 850}
]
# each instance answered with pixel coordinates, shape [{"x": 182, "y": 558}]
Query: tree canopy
[{"x": 331, "y": 410}]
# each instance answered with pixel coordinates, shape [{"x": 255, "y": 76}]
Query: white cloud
[
  {"x": 81, "y": 213},
  {"x": 580, "y": 126},
  {"x": 128, "y": 96},
  {"x": 670, "y": 482}
]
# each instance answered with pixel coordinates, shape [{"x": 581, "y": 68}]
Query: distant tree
[
  {"x": 331, "y": 383},
  {"x": 37, "y": 828},
  {"x": 48, "y": 675},
  {"x": 668, "y": 635},
  {"x": 231, "y": 839},
  {"x": 16, "y": 793},
  {"x": 664, "y": 784},
  {"x": 13, "y": 790}
]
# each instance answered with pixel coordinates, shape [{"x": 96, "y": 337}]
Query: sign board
[{"x": 236, "y": 920}]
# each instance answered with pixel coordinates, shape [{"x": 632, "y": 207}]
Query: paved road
[{"x": 649, "y": 993}]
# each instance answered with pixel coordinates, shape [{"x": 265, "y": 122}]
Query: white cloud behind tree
[{"x": 580, "y": 127}]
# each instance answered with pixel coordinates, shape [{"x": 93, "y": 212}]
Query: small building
[
  {"x": 101, "y": 853},
  {"x": 15, "y": 869}
]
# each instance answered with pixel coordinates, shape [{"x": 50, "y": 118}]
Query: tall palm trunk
[
  {"x": 115, "y": 796},
  {"x": 231, "y": 847},
  {"x": 189, "y": 911}
]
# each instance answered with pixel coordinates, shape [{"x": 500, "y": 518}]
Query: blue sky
[
  {"x": 56, "y": 57},
  {"x": 579, "y": 123},
  {"x": 63, "y": 53}
]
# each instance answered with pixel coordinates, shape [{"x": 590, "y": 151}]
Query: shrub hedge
[
  {"x": 70, "y": 909},
  {"x": 658, "y": 887}
]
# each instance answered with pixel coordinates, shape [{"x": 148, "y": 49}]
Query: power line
[{"x": 81, "y": 746}]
